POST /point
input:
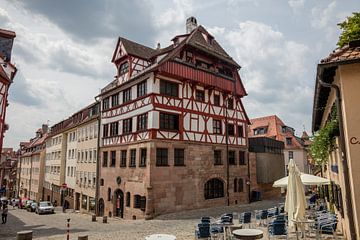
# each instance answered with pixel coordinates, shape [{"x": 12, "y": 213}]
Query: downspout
[
  {"x": 97, "y": 187},
  {"x": 349, "y": 205},
  {"x": 227, "y": 155}
]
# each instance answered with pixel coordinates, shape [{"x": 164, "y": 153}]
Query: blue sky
[{"x": 63, "y": 50}]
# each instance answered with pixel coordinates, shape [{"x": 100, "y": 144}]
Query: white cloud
[
  {"x": 321, "y": 17},
  {"x": 296, "y": 5}
]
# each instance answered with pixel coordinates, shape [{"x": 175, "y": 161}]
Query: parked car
[
  {"x": 15, "y": 202},
  {"x": 27, "y": 204},
  {"x": 44, "y": 207},
  {"x": 32, "y": 207},
  {"x": 22, "y": 202}
]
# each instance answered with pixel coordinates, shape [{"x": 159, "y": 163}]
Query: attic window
[
  {"x": 260, "y": 130},
  {"x": 124, "y": 68}
]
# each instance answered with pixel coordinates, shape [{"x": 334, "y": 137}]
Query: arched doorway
[
  {"x": 118, "y": 203},
  {"x": 101, "y": 207}
]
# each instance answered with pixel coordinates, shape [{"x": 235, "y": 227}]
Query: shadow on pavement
[{"x": 14, "y": 225}]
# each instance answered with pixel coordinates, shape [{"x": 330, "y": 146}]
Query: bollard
[
  {"x": 68, "y": 229},
  {"x": 104, "y": 219},
  {"x": 93, "y": 218},
  {"x": 24, "y": 235},
  {"x": 83, "y": 237}
]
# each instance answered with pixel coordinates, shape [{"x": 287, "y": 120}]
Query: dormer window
[
  {"x": 260, "y": 130},
  {"x": 124, "y": 68}
]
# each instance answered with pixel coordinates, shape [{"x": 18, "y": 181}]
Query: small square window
[
  {"x": 179, "y": 157},
  {"x": 217, "y": 157},
  {"x": 200, "y": 95},
  {"x": 217, "y": 100}
]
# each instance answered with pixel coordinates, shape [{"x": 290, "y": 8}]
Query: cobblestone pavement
[{"x": 54, "y": 226}]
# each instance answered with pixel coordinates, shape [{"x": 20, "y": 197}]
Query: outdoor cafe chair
[
  {"x": 202, "y": 231},
  {"x": 261, "y": 216},
  {"x": 277, "y": 228},
  {"x": 245, "y": 218}
]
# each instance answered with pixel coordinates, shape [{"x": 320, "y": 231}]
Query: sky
[{"x": 63, "y": 51}]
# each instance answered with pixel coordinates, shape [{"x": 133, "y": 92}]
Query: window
[
  {"x": 95, "y": 156},
  {"x": 216, "y": 126},
  {"x": 101, "y": 182},
  {"x": 114, "y": 129},
  {"x": 109, "y": 194},
  {"x": 240, "y": 131},
  {"x": 132, "y": 158},
  {"x": 105, "y": 130},
  {"x": 291, "y": 155},
  {"x": 217, "y": 157},
  {"x": 169, "y": 88},
  {"x": 124, "y": 68},
  {"x": 128, "y": 199},
  {"x": 241, "y": 185},
  {"x": 232, "y": 160},
  {"x": 235, "y": 185},
  {"x": 214, "y": 188},
  {"x": 137, "y": 201},
  {"x": 288, "y": 141},
  {"x": 169, "y": 121},
  {"x": 161, "y": 157},
  {"x": 142, "y": 157},
  {"x": 105, "y": 159},
  {"x": 127, "y": 125},
  {"x": 142, "y": 122},
  {"x": 200, "y": 96},
  {"x": 141, "y": 89},
  {"x": 230, "y": 103},
  {"x": 126, "y": 95},
  {"x": 260, "y": 130},
  {"x": 230, "y": 129},
  {"x": 179, "y": 157},
  {"x": 242, "y": 160},
  {"x": 217, "y": 100},
  {"x": 106, "y": 103},
  {"x": 115, "y": 100},
  {"x": 123, "y": 158},
  {"x": 113, "y": 158}
]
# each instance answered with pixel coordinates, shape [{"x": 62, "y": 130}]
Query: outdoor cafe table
[
  {"x": 160, "y": 237},
  {"x": 302, "y": 222},
  {"x": 248, "y": 233}
]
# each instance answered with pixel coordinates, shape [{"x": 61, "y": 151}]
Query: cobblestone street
[{"x": 54, "y": 226}]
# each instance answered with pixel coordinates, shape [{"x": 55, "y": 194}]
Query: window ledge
[
  {"x": 179, "y": 165},
  {"x": 162, "y": 165}
]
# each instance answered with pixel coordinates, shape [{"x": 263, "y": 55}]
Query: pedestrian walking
[{"x": 4, "y": 214}]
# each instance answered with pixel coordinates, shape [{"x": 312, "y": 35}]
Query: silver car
[{"x": 44, "y": 207}]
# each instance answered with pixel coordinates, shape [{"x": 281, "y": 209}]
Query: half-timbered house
[{"x": 173, "y": 128}]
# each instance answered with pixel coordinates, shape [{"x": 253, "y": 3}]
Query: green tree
[{"x": 350, "y": 29}]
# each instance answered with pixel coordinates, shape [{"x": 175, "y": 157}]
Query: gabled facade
[
  {"x": 337, "y": 87},
  {"x": 7, "y": 74},
  {"x": 164, "y": 145},
  {"x": 31, "y": 166},
  {"x": 273, "y": 127}
]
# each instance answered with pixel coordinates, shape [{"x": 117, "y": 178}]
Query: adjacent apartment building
[
  {"x": 295, "y": 147},
  {"x": 173, "y": 128},
  {"x": 337, "y": 88},
  {"x": 31, "y": 166},
  {"x": 71, "y": 158}
]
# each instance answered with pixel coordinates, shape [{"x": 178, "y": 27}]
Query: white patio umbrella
[
  {"x": 295, "y": 202},
  {"x": 306, "y": 179}
]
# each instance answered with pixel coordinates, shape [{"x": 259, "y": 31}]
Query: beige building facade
[{"x": 337, "y": 92}]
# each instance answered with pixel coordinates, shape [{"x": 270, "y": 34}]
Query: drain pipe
[{"x": 349, "y": 205}]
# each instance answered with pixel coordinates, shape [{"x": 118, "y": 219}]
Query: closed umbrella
[
  {"x": 306, "y": 179},
  {"x": 295, "y": 203}
]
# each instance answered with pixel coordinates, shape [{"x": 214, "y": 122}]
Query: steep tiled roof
[
  {"x": 274, "y": 130},
  {"x": 137, "y": 49},
  {"x": 347, "y": 53},
  {"x": 211, "y": 47}
]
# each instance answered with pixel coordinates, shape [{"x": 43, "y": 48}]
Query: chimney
[
  {"x": 158, "y": 46},
  {"x": 44, "y": 128},
  {"x": 191, "y": 24}
]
